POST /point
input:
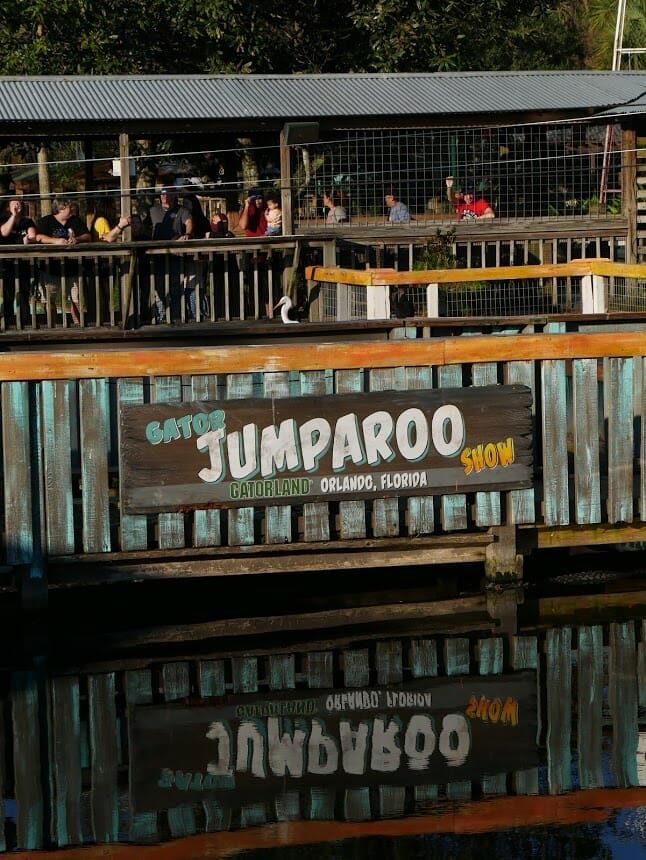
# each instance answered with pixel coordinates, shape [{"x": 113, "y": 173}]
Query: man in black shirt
[
  {"x": 62, "y": 227},
  {"x": 16, "y": 228}
]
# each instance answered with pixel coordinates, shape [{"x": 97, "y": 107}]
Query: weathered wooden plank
[
  {"x": 278, "y": 518},
  {"x": 487, "y": 505},
  {"x": 206, "y": 523},
  {"x": 57, "y": 465},
  {"x": 385, "y": 512},
  {"x": 320, "y": 676},
  {"x": 589, "y": 699},
  {"x": 138, "y": 691},
  {"x": 177, "y": 685},
  {"x": 17, "y": 472},
  {"x": 316, "y": 515},
  {"x": 556, "y": 504},
  {"x": 211, "y": 681},
  {"x": 94, "y": 420},
  {"x": 134, "y": 528},
  {"x": 453, "y": 508},
  {"x": 241, "y": 521},
  {"x": 352, "y": 515},
  {"x": 88, "y": 364},
  {"x": 282, "y": 672},
  {"x": 356, "y": 673},
  {"x": 26, "y": 761},
  {"x": 245, "y": 674},
  {"x": 390, "y": 670},
  {"x": 168, "y": 389},
  {"x": 622, "y": 699},
  {"x": 524, "y": 655},
  {"x": 104, "y": 757},
  {"x": 521, "y": 503},
  {"x": 641, "y": 666},
  {"x": 585, "y": 407},
  {"x": 457, "y": 662},
  {"x": 490, "y": 659},
  {"x": 558, "y": 679},
  {"x": 65, "y": 754},
  {"x": 421, "y": 509},
  {"x": 618, "y": 390}
]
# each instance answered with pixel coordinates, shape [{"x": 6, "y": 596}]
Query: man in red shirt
[
  {"x": 467, "y": 208},
  {"x": 252, "y": 218}
]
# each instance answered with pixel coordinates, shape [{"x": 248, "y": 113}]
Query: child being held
[{"x": 273, "y": 215}]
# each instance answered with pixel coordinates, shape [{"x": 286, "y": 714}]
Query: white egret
[{"x": 285, "y": 305}]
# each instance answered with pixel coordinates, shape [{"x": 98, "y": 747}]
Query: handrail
[
  {"x": 392, "y": 277},
  {"x": 146, "y": 362}
]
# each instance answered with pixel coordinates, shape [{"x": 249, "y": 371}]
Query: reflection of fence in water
[{"x": 590, "y": 695}]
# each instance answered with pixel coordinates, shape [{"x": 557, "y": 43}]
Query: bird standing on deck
[{"x": 285, "y": 305}]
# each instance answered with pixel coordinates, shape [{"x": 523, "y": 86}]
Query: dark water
[{"x": 574, "y": 767}]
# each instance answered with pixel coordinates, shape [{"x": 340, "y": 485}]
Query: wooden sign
[
  {"x": 243, "y": 453},
  {"x": 431, "y": 731}
]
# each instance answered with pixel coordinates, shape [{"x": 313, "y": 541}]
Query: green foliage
[
  {"x": 241, "y": 36},
  {"x": 438, "y": 252}
]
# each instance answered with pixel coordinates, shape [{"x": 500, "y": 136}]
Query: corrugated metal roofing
[{"x": 236, "y": 97}]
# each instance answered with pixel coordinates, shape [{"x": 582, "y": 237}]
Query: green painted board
[
  {"x": 65, "y": 764},
  {"x": 94, "y": 420},
  {"x": 168, "y": 389},
  {"x": 590, "y": 680},
  {"x": 558, "y": 680},
  {"x": 134, "y": 528},
  {"x": 618, "y": 390},
  {"x": 623, "y": 698},
  {"x": 17, "y": 473},
  {"x": 104, "y": 756},
  {"x": 57, "y": 466},
  {"x": 587, "y": 475}
]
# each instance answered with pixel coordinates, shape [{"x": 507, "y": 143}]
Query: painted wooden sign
[
  {"x": 355, "y": 446},
  {"x": 431, "y": 731}
]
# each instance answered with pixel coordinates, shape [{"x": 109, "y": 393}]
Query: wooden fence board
[
  {"x": 176, "y": 686},
  {"x": 524, "y": 655},
  {"x": 138, "y": 691},
  {"x": 622, "y": 697},
  {"x": 490, "y": 662},
  {"x": 589, "y": 702},
  {"x": 320, "y": 675},
  {"x": 316, "y": 515},
  {"x": 521, "y": 503},
  {"x": 241, "y": 521},
  {"x": 390, "y": 670},
  {"x": 278, "y": 518},
  {"x": 57, "y": 466},
  {"x": 356, "y": 673},
  {"x": 65, "y": 753},
  {"x": 17, "y": 472},
  {"x": 206, "y": 523},
  {"x": 618, "y": 389},
  {"x": 104, "y": 757},
  {"x": 487, "y": 505},
  {"x": 421, "y": 509},
  {"x": 556, "y": 504},
  {"x": 27, "y": 762},
  {"x": 134, "y": 528},
  {"x": 94, "y": 420},
  {"x": 457, "y": 661},
  {"x": 558, "y": 645},
  {"x": 453, "y": 508},
  {"x": 385, "y": 512},
  {"x": 168, "y": 389},
  {"x": 352, "y": 515},
  {"x": 585, "y": 407}
]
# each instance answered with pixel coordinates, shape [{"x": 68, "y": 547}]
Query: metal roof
[{"x": 132, "y": 99}]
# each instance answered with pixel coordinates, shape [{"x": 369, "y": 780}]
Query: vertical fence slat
[
  {"x": 487, "y": 505},
  {"x": 352, "y": 515},
  {"x": 57, "y": 465},
  {"x": 622, "y": 697},
  {"x": 385, "y": 512},
  {"x": 206, "y": 523},
  {"x": 211, "y": 681},
  {"x": 320, "y": 675},
  {"x": 138, "y": 690},
  {"x": 176, "y": 684},
  {"x": 453, "y": 508},
  {"x": 104, "y": 757},
  {"x": 521, "y": 503},
  {"x": 390, "y": 670},
  {"x": 27, "y": 767},
  {"x": 457, "y": 662},
  {"x": 95, "y": 429},
  {"x": 589, "y": 699},
  {"x": 168, "y": 389},
  {"x": 278, "y": 518},
  {"x": 423, "y": 663},
  {"x": 316, "y": 515},
  {"x": 490, "y": 658},
  {"x": 421, "y": 509},
  {"x": 65, "y": 753},
  {"x": 134, "y": 528},
  {"x": 241, "y": 520},
  {"x": 556, "y": 503},
  {"x": 587, "y": 478},
  {"x": 524, "y": 655},
  {"x": 558, "y": 680},
  {"x": 618, "y": 388},
  {"x": 17, "y": 473}
]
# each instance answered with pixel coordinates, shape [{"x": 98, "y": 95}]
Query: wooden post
[
  {"x": 124, "y": 181},
  {"x": 629, "y": 189},
  {"x": 43, "y": 181},
  {"x": 286, "y": 186}
]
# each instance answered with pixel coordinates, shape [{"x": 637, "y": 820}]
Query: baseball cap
[{"x": 469, "y": 189}]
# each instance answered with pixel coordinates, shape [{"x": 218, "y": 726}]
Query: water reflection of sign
[
  {"x": 266, "y": 452},
  {"x": 425, "y": 732}
]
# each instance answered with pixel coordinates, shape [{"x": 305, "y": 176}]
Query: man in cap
[
  {"x": 466, "y": 206},
  {"x": 169, "y": 221}
]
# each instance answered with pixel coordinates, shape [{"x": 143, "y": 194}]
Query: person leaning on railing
[
  {"x": 466, "y": 206},
  {"x": 16, "y": 228},
  {"x": 62, "y": 227}
]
